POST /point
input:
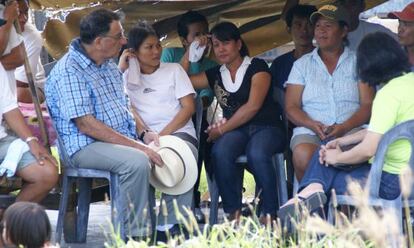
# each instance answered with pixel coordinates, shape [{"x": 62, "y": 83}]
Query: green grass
[
  {"x": 368, "y": 229},
  {"x": 248, "y": 183}
]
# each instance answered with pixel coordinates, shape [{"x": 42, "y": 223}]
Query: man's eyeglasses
[{"x": 115, "y": 37}]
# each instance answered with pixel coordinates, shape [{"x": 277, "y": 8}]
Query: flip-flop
[{"x": 294, "y": 211}]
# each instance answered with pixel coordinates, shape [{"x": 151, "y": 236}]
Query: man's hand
[
  {"x": 151, "y": 136},
  {"x": 203, "y": 40},
  {"x": 154, "y": 157},
  {"x": 40, "y": 153},
  {"x": 11, "y": 12}
]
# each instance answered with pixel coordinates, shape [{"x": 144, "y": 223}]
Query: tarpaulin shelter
[{"x": 259, "y": 20}]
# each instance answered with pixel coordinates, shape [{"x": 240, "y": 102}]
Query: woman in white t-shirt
[{"x": 162, "y": 99}]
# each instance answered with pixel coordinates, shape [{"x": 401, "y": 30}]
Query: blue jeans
[
  {"x": 259, "y": 143},
  {"x": 331, "y": 177},
  {"x": 389, "y": 186}
]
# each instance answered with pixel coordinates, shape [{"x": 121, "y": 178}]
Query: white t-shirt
[
  {"x": 7, "y": 99},
  {"x": 355, "y": 37},
  {"x": 33, "y": 44},
  {"x": 157, "y": 97},
  {"x": 14, "y": 41}
]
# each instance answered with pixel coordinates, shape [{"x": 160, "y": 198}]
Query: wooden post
[{"x": 35, "y": 98}]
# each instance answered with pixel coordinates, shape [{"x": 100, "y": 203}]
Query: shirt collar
[
  {"x": 246, "y": 62},
  {"x": 345, "y": 54},
  {"x": 83, "y": 57}
]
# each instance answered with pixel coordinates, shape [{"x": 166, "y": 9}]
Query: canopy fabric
[{"x": 259, "y": 20}]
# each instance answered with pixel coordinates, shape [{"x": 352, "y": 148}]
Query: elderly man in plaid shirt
[{"x": 84, "y": 93}]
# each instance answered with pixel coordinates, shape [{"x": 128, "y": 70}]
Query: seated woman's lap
[
  {"x": 259, "y": 143},
  {"x": 331, "y": 177}
]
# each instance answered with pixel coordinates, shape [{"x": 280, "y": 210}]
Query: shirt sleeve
[
  {"x": 207, "y": 93},
  {"x": 75, "y": 96},
  {"x": 33, "y": 45},
  {"x": 7, "y": 100},
  {"x": 167, "y": 55},
  {"x": 260, "y": 66},
  {"x": 14, "y": 41},
  {"x": 296, "y": 75},
  {"x": 384, "y": 113},
  {"x": 183, "y": 86}
]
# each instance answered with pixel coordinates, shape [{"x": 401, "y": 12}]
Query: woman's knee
[
  {"x": 46, "y": 175},
  {"x": 303, "y": 152}
]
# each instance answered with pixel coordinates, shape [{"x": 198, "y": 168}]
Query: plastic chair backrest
[
  {"x": 64, "y": 156},
  {"x": 404, "y": 131},
  {"x": 199, "y": 117}
]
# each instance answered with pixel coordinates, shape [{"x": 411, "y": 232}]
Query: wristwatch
[{"x": 141, "y": 136}]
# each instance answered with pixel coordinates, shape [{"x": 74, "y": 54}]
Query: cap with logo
[{"x": 331, "y": 11}]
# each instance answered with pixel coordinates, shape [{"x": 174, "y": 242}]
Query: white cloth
[
  {"x": 196, "y": 51},
  {"x": 157, "y": 97},
  {"x": 14, "y": 153},
  {"x": 355, "y": 37},
  {"x": 228, "y": 83},
  {"x": 33, "y": 44},
  {"x": 14, "y": 41},
  {"x": 132, "y": 75},
  {"x": 7, "y": 99}
]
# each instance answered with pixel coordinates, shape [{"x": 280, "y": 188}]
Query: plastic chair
[
  {"x": 404, "y": 131},
  {"x": 84, "y": 178}
]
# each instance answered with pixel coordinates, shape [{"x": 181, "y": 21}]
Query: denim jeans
[
  {"x": 259, "y": 143},
  {"x": 389, "y": 186},
  {"x": 331, "y": 177}
]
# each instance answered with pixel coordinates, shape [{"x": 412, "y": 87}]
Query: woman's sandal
[{"x": 294, "y": 211}]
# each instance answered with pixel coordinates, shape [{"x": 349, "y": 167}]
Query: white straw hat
[{"x": 180, "y": 171}]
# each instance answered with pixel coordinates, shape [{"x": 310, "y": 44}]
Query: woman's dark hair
[
  {"x": 188, "y": 18},
  {"x": 226, "y": 31},
  {"x": 380, "y": 58},
  {"x": 96, "y": 23},
  {"x": 139, "y": 33},
  {"x": 27, "y": 225}
]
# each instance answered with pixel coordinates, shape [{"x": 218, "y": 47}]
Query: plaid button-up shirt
[{"x": 77, "y": 87}]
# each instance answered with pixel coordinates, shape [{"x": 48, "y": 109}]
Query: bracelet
[
  {"x": 31, "y": 138},
  {"x": 141, "y": 136}
]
